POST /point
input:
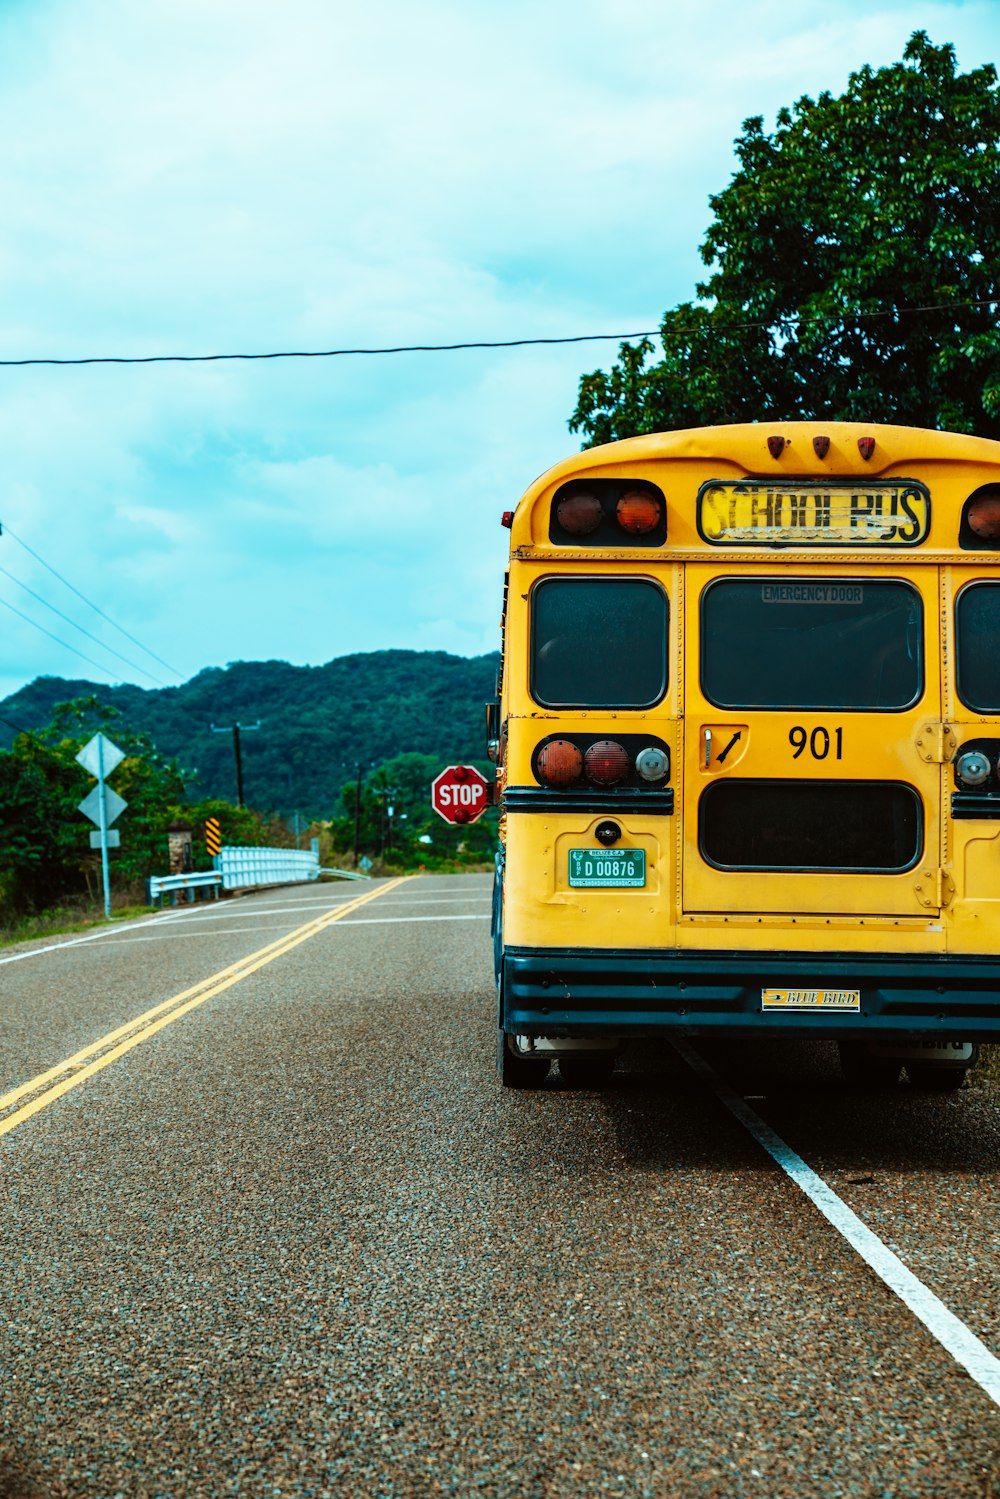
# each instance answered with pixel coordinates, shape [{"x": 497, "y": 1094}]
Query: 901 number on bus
[{"x": 819, "y": 742}]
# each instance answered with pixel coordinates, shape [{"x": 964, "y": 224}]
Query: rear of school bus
[{"x": 748, "y": 749}]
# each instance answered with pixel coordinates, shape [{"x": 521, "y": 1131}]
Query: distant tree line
[
  {"x": 45, "y": 854},
  {"x": 318, "y": 723}
]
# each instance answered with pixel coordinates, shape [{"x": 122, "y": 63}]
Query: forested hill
[{"x": 317, "y": 722}]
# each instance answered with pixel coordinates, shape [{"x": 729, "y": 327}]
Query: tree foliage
[
  {"x": 317, "y": 722},
  {"x": 855, "y": 262},
  {"x": 413, "y": 833}
]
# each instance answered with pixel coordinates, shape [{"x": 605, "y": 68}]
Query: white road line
[
  {"x": 211, "y": 914},
  {"x": 436, "y": 900},
  {"x": 226, "y": 931},
  {"x": 225, "y": 910},
  {"x": 37, "y": 952},
  {"x": 949, "y": 1330},
  {"x": 394, "y": 920},
  {"x": 121, "y": 938}
]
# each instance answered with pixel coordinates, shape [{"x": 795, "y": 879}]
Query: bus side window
[{"x": 977, "y": 640}]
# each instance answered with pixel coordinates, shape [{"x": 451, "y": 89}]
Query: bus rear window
[
  {"x": 978, "y": 647},
  {"x": 598, "y": 643},
  {"x": 845, "y": 827},
  {"x": 777, "y": 642}
]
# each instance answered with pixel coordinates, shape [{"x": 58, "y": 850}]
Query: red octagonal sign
[{"x": 460, "y": 794}]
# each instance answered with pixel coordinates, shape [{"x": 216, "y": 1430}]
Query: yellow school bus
[{"x": 747, "y": 738}]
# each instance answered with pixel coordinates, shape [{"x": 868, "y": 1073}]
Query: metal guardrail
[
  {"x": 242, "y": 868},
  {"x": 169, "y": 884},
  {"x": 238, "y": 868}
]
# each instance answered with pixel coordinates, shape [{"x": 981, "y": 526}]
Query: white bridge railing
[{"x": 244, "y": 867}]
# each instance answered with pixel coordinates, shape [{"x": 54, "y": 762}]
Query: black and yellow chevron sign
[{"x": 213, "y": 835}]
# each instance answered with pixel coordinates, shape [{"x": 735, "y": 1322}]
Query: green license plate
[{"x": 607, "y": 868}]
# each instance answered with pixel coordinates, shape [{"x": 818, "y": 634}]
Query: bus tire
[
  {"x": 587, "y": 1070},
  {"x": 935, "y": 1079},
  {"x": 863, "y": 1070},
  {"x": 515, "y": 1071}
]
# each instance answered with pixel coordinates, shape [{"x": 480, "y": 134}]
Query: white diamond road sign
[
  {"x": 91, "y": 805},
  {"x": 90, "y": 758}
]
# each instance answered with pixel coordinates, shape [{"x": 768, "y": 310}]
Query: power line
[
  {"x": 64, "y": 643},
  {"x": 17, "y": 727},
  {"x": 791, "y": 319},
  {"x": 109, "y": 648},
  {"x": 90, "y": 604}
]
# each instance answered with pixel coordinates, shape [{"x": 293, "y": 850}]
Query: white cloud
[{"x": 196, "y": 175}]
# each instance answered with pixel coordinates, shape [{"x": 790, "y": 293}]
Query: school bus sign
[{"x": 460, "y": 794}]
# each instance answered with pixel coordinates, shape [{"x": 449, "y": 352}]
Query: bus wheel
[
  {"x": 516, "y": 1071},
  {"x": 587, "y": 1070},
  {"x": 864, "y": 1070},
  {"x": 930, "y": 1078}
]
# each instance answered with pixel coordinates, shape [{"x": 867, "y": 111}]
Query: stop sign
[{"x": 460, "y": 793}]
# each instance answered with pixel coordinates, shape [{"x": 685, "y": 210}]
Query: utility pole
[
  {"x": 237, "y": 753},
  {"x": 357, "y": 818}
]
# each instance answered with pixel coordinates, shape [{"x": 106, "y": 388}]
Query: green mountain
[{"x": 317, "y": 723}]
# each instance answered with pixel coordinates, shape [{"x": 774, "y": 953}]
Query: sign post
[
  {"x": 100, "y": 757},
  {"x": 460, "y": 794}
]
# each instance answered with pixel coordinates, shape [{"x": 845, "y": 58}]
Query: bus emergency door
[{"x": 813, "y": 741}]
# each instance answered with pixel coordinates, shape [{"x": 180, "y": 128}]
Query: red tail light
[
  {"x": 559, "y": 763},
  {"x": 579, "y": 512},
  {"x": 638, "y": 512},
  {"x": 866, "y": 447},
  {"x": 983, "y": 516},
  {"x": 821, "y": 446},
  {"x": 606, "y": 763},
  {"x": 775, "y": 446}
]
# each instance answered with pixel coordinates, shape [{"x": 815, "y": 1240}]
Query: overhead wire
[
  {"x": 90, "y": 604},
  {"x": 104, "y": 647},
  {"x": 64, "y": 643},
  {"x": 18, "y": 729},
  {"x": 501, "y": 343}
]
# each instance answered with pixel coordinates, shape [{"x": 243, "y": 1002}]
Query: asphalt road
[{"x": 289, "y": 1237}]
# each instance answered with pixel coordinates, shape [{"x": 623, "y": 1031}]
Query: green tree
[
  {"x": 45, "y": 848},
  {"x": 855, "y": 262}
]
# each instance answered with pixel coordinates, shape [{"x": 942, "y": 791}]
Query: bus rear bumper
[{"x": 580, "y": 992}]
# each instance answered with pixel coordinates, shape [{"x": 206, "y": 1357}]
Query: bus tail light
[
  {"x": 653, "y": 764},
  {"x": 866, "y": 447},
  {"x": 983, "y": 514},
  {"x": 638, "y": 512},
  {"x": 579, "y": 512},
  {"x": 821, "y": 446},
  {"x": 607, "y": 762},
  {"x": 559, "y": 763},
  {"x": 775, "y": 446}
]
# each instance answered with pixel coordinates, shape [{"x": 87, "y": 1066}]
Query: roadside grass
[{"x": 64, "y": 920}]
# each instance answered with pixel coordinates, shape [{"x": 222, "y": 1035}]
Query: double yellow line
[{"x": 44, "y": 1089}]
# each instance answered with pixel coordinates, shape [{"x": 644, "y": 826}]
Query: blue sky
[{"x": 194, "y": 176}]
